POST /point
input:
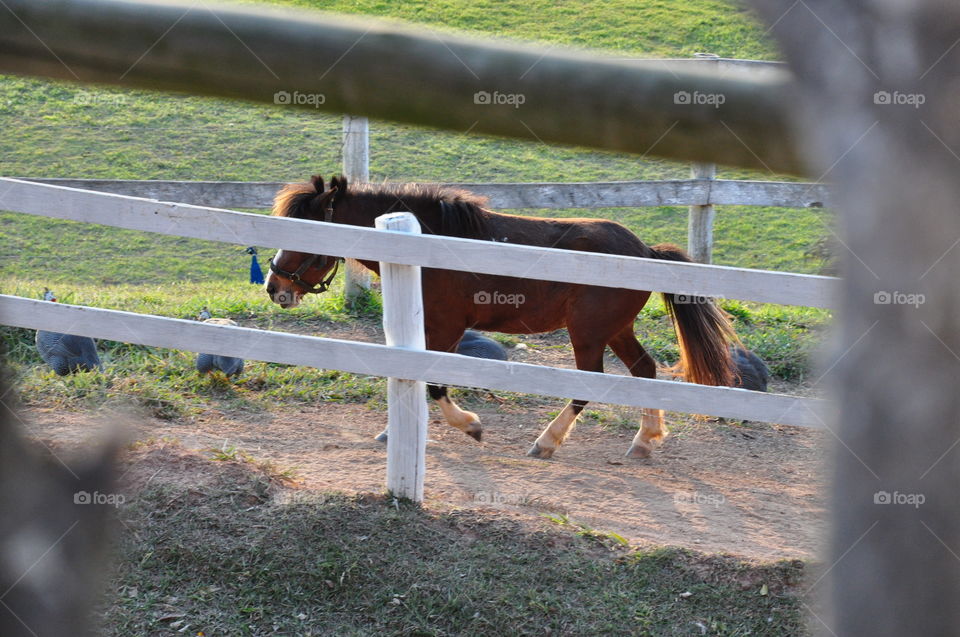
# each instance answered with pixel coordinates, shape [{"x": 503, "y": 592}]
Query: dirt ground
[{"x": 755, "y": 490}]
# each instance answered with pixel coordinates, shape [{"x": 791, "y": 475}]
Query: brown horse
[{"x": 455, "y": 300}]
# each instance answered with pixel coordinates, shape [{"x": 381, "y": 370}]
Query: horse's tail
[{"x": 703, "y": 330}]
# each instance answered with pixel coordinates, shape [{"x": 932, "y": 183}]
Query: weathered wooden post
[
  {"x": 356, "y": 168},
  {"x": 407, "y": 404},
  {"x": 700, "y": 220}
]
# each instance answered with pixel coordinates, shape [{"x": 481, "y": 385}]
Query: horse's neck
[{"x": 365, "y": 208}]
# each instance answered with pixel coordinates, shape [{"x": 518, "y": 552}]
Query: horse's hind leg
[
  {"x": 652, "y": 430},
  {"x": 590, "y": 358}
]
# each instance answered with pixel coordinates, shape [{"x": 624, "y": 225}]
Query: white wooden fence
[
  {"x": 356, "y": 168},
  {"x": 547, "y": 195},
  {"x": 400, "y": 361}
]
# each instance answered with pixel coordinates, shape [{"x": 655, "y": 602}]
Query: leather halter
[{"x": 310, "y": 262}]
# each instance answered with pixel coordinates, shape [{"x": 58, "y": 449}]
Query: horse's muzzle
[{"x": 285, "y": 298}]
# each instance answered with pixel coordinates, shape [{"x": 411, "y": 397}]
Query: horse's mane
[{"x": 462, "y": 213}]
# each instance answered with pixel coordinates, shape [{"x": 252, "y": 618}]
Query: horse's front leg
[
  {"x": 446, "y": 340},
  {"x": 466, "y": 421}
]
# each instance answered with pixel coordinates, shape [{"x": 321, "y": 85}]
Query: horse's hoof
[
  {"x": 638, "y": 452},
  {"x": 381, "y": 437},
  {"x": 476, "y": 434},
  {"x": 536, "y": 451}
]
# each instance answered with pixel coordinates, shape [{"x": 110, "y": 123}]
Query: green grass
[
  {"x": 238, "y": 558},
  {"x": 229, "y": 297},
  {"x": 165, "y": 383},
  {"x": 50, "y": 129},
  {"x": 654, "y": 28},
  {"x": 57, "y": 129}
]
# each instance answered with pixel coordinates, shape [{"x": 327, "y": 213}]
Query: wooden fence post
[
  {"x": 700, "y": 220},
  {"x": 407, "y": 404},
  {"x": 356, "y": 168}
]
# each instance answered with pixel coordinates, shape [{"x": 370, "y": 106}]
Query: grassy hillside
[{"x": 52, "y": 129}]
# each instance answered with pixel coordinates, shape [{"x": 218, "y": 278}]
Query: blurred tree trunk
[
  {"x": 52, "y": 536},
  {"x": 877, "y": 100}
]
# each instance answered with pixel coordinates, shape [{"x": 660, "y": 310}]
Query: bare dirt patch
[{"x": 753, "y": 490}]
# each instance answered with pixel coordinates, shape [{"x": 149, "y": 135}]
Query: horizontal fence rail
[
  {"x": 386, "y": 70},
  {"x": 432, "y": 367},
  {"x": 470, "y": 255},
  {"x": 610, "y": 194},
  {"x": 709, "y": 61}
]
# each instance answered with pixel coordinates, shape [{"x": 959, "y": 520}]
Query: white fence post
[
  {"x": 406, "y": 399},
  {"x": 700, "y": 220},
  {"x": 356, "y": 168}
]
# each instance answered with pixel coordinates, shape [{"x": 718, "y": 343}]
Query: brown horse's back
[
  {"x": 584, "y": 235},
  {"x": 525, "y": 306}
]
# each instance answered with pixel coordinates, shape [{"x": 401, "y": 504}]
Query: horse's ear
[
  {"x": 317, "y": 181},
  {"x": 340, "y": 183}
]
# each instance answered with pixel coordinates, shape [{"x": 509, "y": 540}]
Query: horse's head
[{"x": 293, "y": 274}]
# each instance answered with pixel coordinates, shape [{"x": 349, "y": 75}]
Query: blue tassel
[{"x": 256, "y": 274}]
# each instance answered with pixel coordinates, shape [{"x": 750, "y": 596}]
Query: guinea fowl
[
  {"x": 207, "y": 363},
  {"x": 752, "y": 373},
  {"x": 479, "y": 346},
  {"x": 66, "y": 353}
]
